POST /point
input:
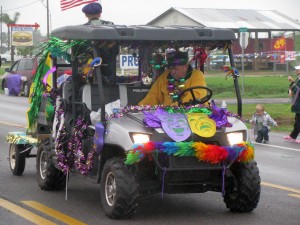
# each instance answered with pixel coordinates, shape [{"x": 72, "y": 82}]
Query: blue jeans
[{"x": 262, "y": 134}]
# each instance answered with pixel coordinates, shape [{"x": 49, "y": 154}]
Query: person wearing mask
[
  {"x": 179, "y": 76},
  {"x": 93, "y": 12},
  {"x": 294, "y": 93}
]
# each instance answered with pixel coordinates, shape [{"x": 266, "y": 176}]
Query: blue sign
[{"x": 128, "y": 62}]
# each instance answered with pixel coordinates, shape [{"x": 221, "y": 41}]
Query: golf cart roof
[{"x": 143, "y": 33}]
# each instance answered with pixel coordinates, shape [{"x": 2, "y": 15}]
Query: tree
[{"x": 7, "y": 20}]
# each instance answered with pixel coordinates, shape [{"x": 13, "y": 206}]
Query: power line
[{"x": 21, "y": 6}]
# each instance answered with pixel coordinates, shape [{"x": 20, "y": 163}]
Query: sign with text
[
  {"x": 21, "y": 36},
  {"x": 128, "y": 62},
  {"x": 279, "y": 44},
  {"x": 243, "y": 29}
]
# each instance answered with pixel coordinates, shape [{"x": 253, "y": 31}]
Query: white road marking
[{"x": 276, "y": 146}]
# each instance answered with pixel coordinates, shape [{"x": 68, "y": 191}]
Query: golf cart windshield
[{"x": 143, "y": 46}]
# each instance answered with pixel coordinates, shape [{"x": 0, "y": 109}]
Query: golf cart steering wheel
[{"x": 195, "y": 100}]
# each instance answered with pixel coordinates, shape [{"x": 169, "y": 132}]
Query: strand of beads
[{"x": 175, "y": 87}]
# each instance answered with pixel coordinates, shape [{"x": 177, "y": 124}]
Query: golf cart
[{"x": 90, "y": 123}]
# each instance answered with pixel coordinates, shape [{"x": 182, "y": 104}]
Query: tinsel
[
  {"x": 72, "y": 155},
  {"x": 231, "y": 71},
  {"x": 212, "y": 154},
  {"x": 20, "y": 138},
  {"x": 57, "y": 48},
  {"x": 75, "y": 146}
]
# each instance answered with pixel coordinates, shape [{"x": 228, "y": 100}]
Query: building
[{"x": 267, "y": 32}]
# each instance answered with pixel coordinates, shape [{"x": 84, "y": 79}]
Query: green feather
[{"x": 132, "y": 157}]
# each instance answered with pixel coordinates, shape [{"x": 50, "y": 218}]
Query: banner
[
  {"x": 21, "y": 36},
  {"x": 279, "y": 44},
  {"x": 290, "y": 55}
]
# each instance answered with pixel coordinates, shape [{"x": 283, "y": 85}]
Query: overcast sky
[{"x": 130, "y": 12}]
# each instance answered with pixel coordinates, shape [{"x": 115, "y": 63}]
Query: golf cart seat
[{"x": 90, "y": 95}]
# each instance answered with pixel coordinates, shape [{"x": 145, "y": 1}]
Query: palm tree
[{"x": 7, "y": 20}]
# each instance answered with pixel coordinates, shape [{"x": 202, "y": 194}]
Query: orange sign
[{"x": 279, "y": 44}]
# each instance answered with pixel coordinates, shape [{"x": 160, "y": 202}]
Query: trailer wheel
[
  {"x": 119, "y": 190},
  {"x": 48, "y": 176},
  {"x": 17, "y": 159}
]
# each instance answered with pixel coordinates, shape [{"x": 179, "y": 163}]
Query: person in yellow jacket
[{"x": 179, "y": 76}]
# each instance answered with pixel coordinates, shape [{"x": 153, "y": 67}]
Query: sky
[{"x": 129, "y": 12}]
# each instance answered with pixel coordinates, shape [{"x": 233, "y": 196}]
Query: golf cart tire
[
  {"x": 26, "y": 89},
  {"x": 244, "y": 197},
  {"x": 125, "y": 201},
  {"x": 48, "y": 176},
  {"x": 17, "y": 160}
]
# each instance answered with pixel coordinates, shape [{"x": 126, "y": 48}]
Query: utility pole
[
  {"x": 47, "y": 19},
  {"x": 1, "y": 30}
]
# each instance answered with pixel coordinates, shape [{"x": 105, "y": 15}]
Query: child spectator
[{"x": 261, "y": 122}]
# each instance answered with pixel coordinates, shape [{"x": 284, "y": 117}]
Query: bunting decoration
[{"x": 243, "y": 152}]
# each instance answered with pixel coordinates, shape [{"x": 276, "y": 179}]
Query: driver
[{"x": 179, "y": 76}]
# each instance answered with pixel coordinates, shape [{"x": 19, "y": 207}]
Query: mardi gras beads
[{"x": 175, "y": 87}]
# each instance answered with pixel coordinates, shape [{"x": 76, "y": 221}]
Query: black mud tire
[
  {"x": 17, "y": 160},
  {"x": 245, "y": 196},
  {"x": 48, "y": 176},
  {"x": 118, "y": 189}
]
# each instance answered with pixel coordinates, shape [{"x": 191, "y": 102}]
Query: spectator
[
  {"x": 261, "y": 122},
  {"x": 179, "y": 76},
  {"x": 294, "y": 93},
  {"x": 93, "y": 12}
]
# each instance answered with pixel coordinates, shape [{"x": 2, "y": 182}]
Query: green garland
[{"x": 57, "y": 48}]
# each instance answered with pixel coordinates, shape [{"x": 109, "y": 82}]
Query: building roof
[{"x": 254, "y": 20}]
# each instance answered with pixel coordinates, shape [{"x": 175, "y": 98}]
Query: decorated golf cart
[{"x": 89, "y": 121}]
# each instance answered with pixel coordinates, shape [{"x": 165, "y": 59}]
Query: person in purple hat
[
  {"x": 93, "y": 12},
  {"x": 179, "y": 76}
]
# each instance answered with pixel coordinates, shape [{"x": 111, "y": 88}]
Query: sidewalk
[{"x": 256, "y": 101}]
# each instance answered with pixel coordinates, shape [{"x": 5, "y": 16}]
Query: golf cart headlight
[
  {"x": 140, "y": 138},
  {"x": 235, "y": 138}
]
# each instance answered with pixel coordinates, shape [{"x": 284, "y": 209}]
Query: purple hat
[
  {"x": 176, "y": 58},
  {"x": 92, "y": 8}
]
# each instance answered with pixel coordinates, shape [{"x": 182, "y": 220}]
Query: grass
[
  {"x": 281, "y": 113},
  {"x": 254, "y": 86}
]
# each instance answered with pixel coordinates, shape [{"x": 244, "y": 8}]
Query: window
[
  {"x": 22, "y": 64},
  {"x": 15, "y": 66},
  {"x": 29, "y": 64}
]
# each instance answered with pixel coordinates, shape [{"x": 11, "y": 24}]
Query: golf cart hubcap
[
  {"x": 110, "y": 189},
  {"x": 43, "y": 165}
]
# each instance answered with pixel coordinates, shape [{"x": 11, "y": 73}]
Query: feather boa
[{"x": 213, "y": 154}]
